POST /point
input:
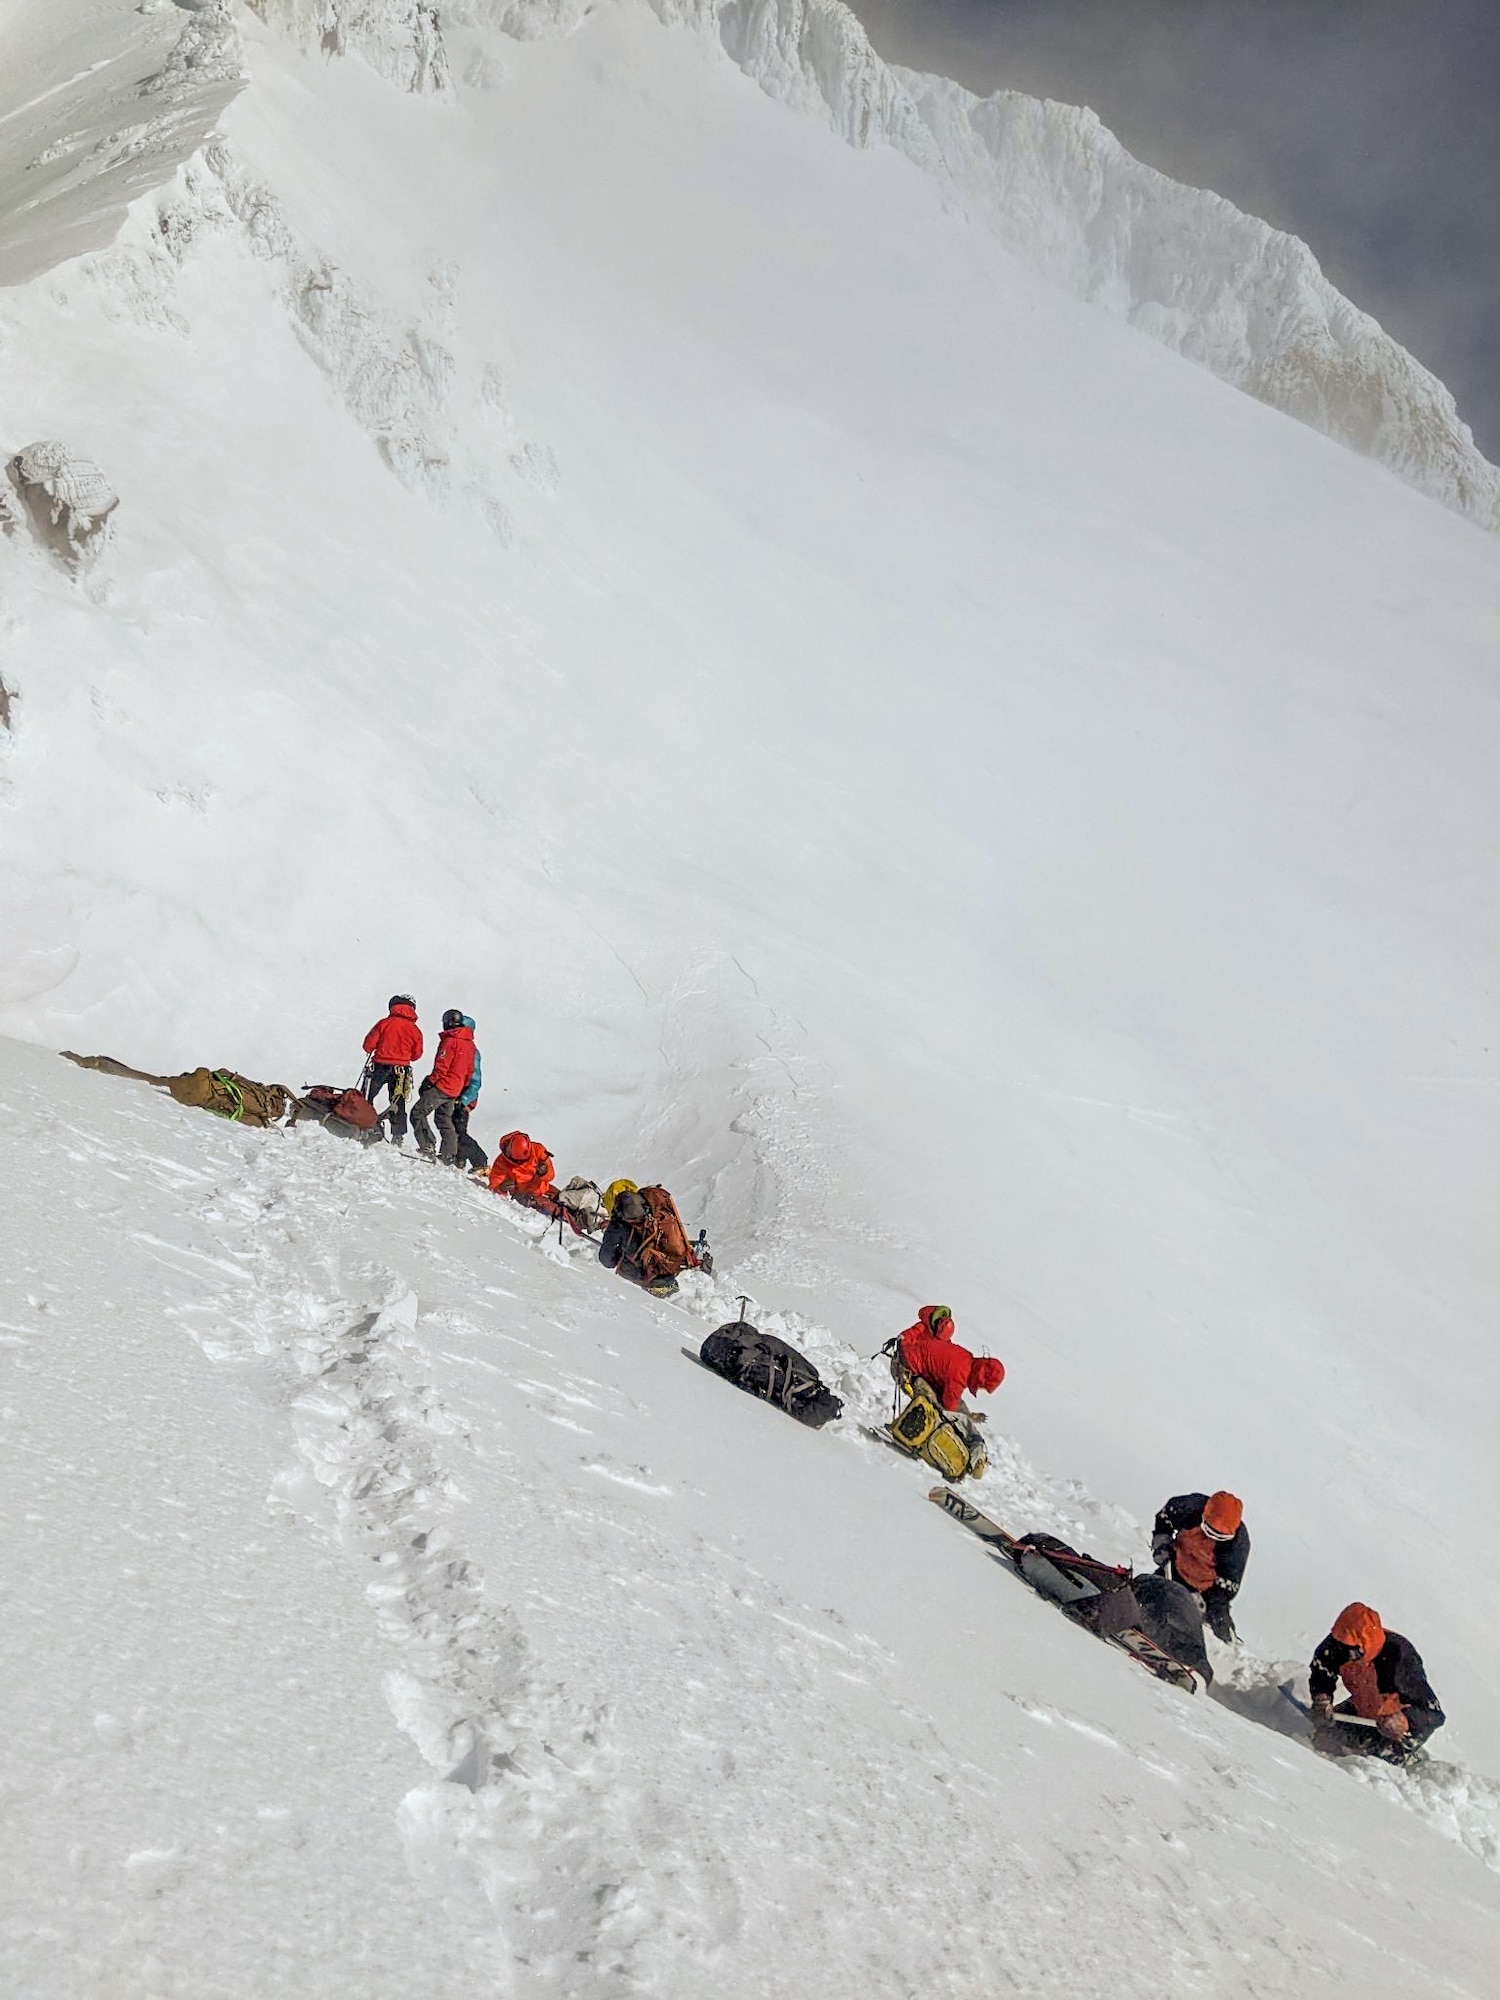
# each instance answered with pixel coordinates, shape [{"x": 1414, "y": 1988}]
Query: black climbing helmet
[
  {"x": 400, "y": 1000},
  {"x": 453, "y": 1018}
]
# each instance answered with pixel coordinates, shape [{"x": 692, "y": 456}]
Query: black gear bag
[{"x": 764, "y": 1366}]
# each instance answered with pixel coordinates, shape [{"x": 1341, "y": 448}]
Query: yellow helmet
[{"x": 615, "y": 1189}]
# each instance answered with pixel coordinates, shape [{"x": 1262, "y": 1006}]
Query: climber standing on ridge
[
  {"x": 1387, "y": 1685},
  {"x": 393, "y": 1045},
  {"x": 470, "y": 1153},
  {"x": 1200, "y": 1539},
  {"x": 452, "y": 1068}
]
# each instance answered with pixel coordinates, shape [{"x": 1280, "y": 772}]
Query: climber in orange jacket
[
  {"x": 928, "y": 1349},
  {"x": 523, "y": 1170},
  {"x": 1387, "y": 1685}
]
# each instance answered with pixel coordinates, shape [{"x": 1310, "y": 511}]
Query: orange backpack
[{"x": 663, "y": 1248}]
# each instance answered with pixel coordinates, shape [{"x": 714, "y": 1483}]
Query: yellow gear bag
[{"x": 928, "y": 1433}]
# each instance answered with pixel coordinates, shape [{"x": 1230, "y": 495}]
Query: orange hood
[{"x": 1358, "y": 1625}]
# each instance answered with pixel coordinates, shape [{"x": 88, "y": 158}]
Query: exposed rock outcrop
[{"x": 68, "y": 500}]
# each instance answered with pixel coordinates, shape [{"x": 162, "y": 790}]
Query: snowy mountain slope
[
  {"x": 399, "y": 1610},
  {"x": 982, "y": 810},
  {"x": 1244, "y": 300},
  {"x": 99, "y": 101}
]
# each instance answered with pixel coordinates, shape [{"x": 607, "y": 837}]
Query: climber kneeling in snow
[
  {"x": 646, "y": 1242},
  {"x": 393, "y": 1045},
  {"x": 523, "y": 1170},
  {"x": 1387, "y": 1686},
  {"x": 442, "y": 1090},
  {"x": 1201, "y": 1540},
  {"x": 934, "y": 1373}
]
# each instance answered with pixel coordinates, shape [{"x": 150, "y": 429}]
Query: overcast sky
[{"x": 1370, "y": 128}]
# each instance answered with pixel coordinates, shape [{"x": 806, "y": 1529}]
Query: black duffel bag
[{"x": 764, "y": 1366}]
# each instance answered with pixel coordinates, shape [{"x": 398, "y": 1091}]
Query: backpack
[
  {"x": 332, "y": 1106},
  {"x": 662, "y": 1247},
  {"x": 946, "y": 1440},
  {"x": 229, "y": 1095},
  {"x": 764, "y": 1366},
  {"x": 584, "y": 1205}
]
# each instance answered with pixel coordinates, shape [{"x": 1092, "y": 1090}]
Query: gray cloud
[{"x": 1366, "y": 127}]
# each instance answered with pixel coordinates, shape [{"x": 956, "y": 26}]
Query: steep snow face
[
  {"x": 398, "y": 1610},
  {"x": 99, "y": 101},
  {"x": 1244, "y": 300}
]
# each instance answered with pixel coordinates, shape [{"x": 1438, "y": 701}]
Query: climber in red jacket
[
  {"x": 523, "y": 1170},
  {"x": 928, "y": 1349},
  {"x": 452, "y": 1067},
  {"x": 393, "y": 1045}
]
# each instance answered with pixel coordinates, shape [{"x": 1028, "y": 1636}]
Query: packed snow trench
[{"x": 616, "y": 535}]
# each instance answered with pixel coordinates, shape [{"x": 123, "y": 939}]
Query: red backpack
[{"x": 351, "y": 1106}]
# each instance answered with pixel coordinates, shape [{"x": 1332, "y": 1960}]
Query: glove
[
  {"x": 1322, "y": 1708},
  {"x": 1394, "y": 1727},
  {"x": 1161, "y": 1551},
  {"x": 1220, "y": 1623}
]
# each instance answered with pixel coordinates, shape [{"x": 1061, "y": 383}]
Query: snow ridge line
[
  {"x": 530, "y": 1813},
  {"x": 1181, "y": 264}
]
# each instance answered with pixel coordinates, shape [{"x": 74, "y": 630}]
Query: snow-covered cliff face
[
  {"x": 1244, "y": 300},
  {"x": 99, "y": 101},
  {"x": 401, "y": 39}
]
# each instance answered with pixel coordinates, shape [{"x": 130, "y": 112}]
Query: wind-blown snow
[{"x": 982, "y": 810}]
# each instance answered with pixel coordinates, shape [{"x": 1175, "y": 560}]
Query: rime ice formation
[
  {"x": 1246, "y": 301},
  {"x": 68, "y": 499},
  {"x": 98, "y": 103},
  {"x": 1242, "y": 299},
  {"x": 401, "y": 39}
]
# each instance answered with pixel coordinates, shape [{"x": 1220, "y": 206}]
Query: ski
[{"x": 1132, "y": 1641}]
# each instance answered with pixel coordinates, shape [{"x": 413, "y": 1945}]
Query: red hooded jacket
[
  {"x": 396, "y": 1039},
  {"x": 522, "y": 1166},
  {"x": 939, "y": 1359},
  {"x": 453, "y": 1064}
]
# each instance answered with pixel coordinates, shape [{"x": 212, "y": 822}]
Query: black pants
[
  {"x": 470, "y": 1153},
  {"x": 444, "y": 1110},
  {"x": 395, "y": 1078}
]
